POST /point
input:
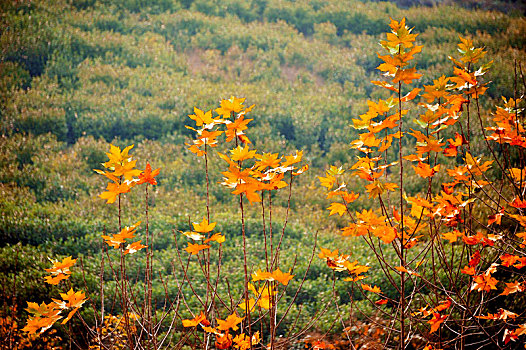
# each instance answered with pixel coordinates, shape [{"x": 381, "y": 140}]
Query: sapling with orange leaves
[
  {"x": 426, "y": 220},
  {"x": 252, "y": 177},
  {"x": 121, "y": 170},
  {"x": 43, "y": 316}
]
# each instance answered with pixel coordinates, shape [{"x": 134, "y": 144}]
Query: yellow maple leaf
[
  {"x": 292, "y": 159},
  {"x": 200, "y": 117},
  {"x": 204, "y": 226},
  {"x": 337, "y": 208},
  {"x": 232, "y": 105},
  {"x": 240, "y": 154},
  {"x": 328, "y": 181},
  {"x": 251, "y": 304}
]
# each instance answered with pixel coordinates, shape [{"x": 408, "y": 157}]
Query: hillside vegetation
[{"x": 76, "y": 75}]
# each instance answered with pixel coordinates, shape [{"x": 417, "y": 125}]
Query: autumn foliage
[
  {"x": 439, "y": 223},
  {"x": 452, "y": 256}
]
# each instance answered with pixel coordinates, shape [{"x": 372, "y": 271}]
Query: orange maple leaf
[
  {"x": 452, "y": 236},
  {"x": 509, "y": 335},
  {"x": 127, "y": 232},
  {"x": 502, "y": 314},
  {"x": 201, "y": 318},
  {"x": 60, "y": 270},
  {"x": 266, "y": 160},
  {"x": 349, "y": 197},
  {"x": 261, "y": 276},
  {"x": 521, "y": 263},
  {"x": 436, "y": 321},
  {"x": 513, "y": 287},
  {"x": 217, "y": 237},
  {"x": 376, "y": 188},
  {"x": 508, "y": 259},
  {"x": 327, "y": 182},
  {"x": 231, "y": 322},
  {"x": 327, "y": 253},
  {"x": 43, "y": 316},
  {"x": 403, "y": 269},
  {"x": 244, "y": 342},
  {"x": 292, "y": 159},
  {"x": 475, "y": 259},
  {"x": 411, "y": 95},
  {"x": 519, "y": 175},
  {"x": 406, "y": 75},
  {"x": 374, "y": 289},
  {"x": 195, "y": 149},
  {"x": 463, "y": 79},
  {"x": 195, "y": 248},
  {"x": 54, "y": 280},
  {"x": 148, "y": 176},
  {"x": 134, "y": 247},
  {"x": 521, "y": 330},
  {"x": 236, "y": 128},
  {"x": 496, "y": 218},
  {"x": 223, "y": 341},
  {"x": 424, "y": 170},
  {"x": 401, "y": 35},
  {"x": 282, "y": 277},
  {"x": 474, "y": 239},
  {"x": 113, "y": 190},
  {"x": 484, "y": 282},
  {"x": 468, "y": 270},
  {"x": 518, "y": 203},
  {"x": 385, "y": 85},
  {"x": 276, "y": 275},
  {"x": 74, "y": 299},
  {"x": 443, "y": 306}
]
